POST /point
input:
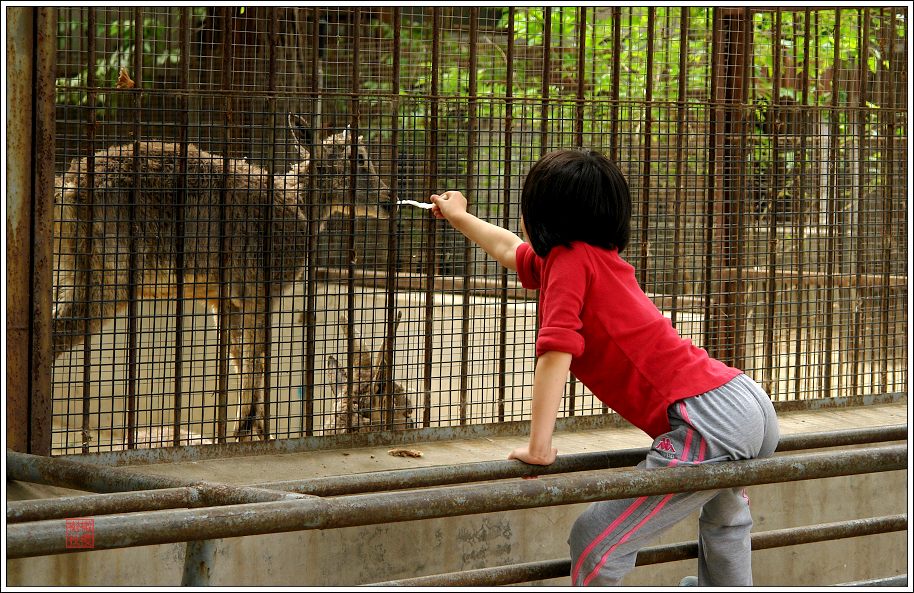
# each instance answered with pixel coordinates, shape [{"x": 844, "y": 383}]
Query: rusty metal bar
[
  {"x": 729, "y": 83},
  {"x": 66, "y": 473},
  {"x": 546, "y": 79},
  {"x": 800, "y": 210},
  {"x": 472, "y": 124},
  {"x": 888, "y": 239},
  {"x": 430, "y": 227},
  {"x": 179, "y": 215},
  {"x": 354, "y": 123},
  {"x": 554, "y": 569},
  {"x": 861, "y": 117},
  {"x": 711, "y": 167},
  {"x": 831, "y": 214},
  {"x": 506, "y": 218},
  {"x": 19, "y": 66},
  {"x": 172, "y": 495},
  {"x": 222, "y": 321},
  {"x": 775, "y": 181},
  {"x": 42, "y": 225},
  {"x": 581, "y": 29},
  {"x": 737, "y": 158},
  {"x": 82, "y": 259},
  {"x": 133, "y": 271},
  {"x": 312, "y": 226},
  {"x": 119, "y": 531},
  {"x": 264, "y": 367},
  {"x": 30, "y": 66},
  {"x": 678, "y": 246},
  {"x": 614, "y": 90},
  {"x": 100, "y": 504},
  {"x": 195, "y": 568},
  {"x": 498, "y": 470},
  {"x": 646, "y": 154},
  {"x": 393, "y": 225},
  {"x": 199, "y": 561}
]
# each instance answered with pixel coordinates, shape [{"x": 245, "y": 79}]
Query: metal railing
[{"x": 179, "y": 510}]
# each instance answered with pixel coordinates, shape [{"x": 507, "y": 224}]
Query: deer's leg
[{"x": 248, "y": 346}]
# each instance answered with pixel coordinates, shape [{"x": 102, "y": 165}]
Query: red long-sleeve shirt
[{"x": 623, "y": 349}]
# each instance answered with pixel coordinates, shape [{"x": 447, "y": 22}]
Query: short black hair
[{"x": 576, "y": 195}]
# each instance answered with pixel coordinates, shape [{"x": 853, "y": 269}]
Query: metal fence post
[{"x": 31, "y": 35}]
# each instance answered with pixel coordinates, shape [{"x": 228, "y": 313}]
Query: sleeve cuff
[{"x": 553, "y": 339}]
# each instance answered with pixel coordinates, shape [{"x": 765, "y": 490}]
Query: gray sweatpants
[{"x": 735, "y": 421}]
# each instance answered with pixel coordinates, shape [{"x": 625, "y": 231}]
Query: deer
[
  {"x": 96, "y": 237},
  {"x": 364, "y": 407}
]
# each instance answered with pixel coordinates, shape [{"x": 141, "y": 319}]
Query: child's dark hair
[{"x": 576, "y": 195}]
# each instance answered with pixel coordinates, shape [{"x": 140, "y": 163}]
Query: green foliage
[{"x": 158, "y": 51}]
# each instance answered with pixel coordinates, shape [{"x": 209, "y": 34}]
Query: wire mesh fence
[{"x": 230, "y": 261}]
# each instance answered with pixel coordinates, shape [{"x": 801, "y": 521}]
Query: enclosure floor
[{"x": 291, "y": 466}]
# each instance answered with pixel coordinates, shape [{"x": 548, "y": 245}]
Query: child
[{"x": 597, "y": 322}]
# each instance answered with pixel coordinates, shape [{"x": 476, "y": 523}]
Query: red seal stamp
[{"x": 80, "y": 533}]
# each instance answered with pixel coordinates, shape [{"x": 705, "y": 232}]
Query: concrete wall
[{"x": 360, "y": 555}]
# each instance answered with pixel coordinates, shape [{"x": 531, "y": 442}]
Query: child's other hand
[
  {"x": 448, "y": 204},
  {"x": 523, "y": 454}
]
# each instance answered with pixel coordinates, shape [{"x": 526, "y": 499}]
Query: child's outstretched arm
[
  {"x": 498, "y": 242},
  {"x": 548, "y": 387}
]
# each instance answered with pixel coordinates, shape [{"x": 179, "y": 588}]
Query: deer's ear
[
  {"x": 339, "y": 378},
  {"x": 301, "y": 130}
]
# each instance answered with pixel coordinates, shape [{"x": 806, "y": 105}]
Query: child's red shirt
[{"x": 623, "y": 349}]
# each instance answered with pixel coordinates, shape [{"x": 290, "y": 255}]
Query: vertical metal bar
[
  {"x": 711, "y": 168},
  {"x": 741, "y": 132},
  {"x": 506, "y": 216},
  {"x": 199, "y": 560},
  {"x": 43, "y": 81},
  {"x": 83, "y": 264},
  {"x": 267, "y": 217},
  {"x": 775, "y": 182},
  {"x": 646, "y": 155},
  {"x": 678, "y": 247},
  {"x": 43, "y": 224},
  {"x": 801, "y": 209},
  {"x": 133, "y": 224},
  {"x": 228, "y": 119},
  {"x": 471, "y": 187},
  {"x": 614, "y": 91},
  {"x": 888, "y": 136},
  {"x": 430, "y": 226},
  {"x": 732, "y": 38},
  {"x": 581, "y": 26},
  {"x": 547, "y": 74},
  {"x": 179, "y": 215},
  {"x": 312, "y": 225},
  {"x": 581, "y": 30},
  {"x": 350, "y": 220},
  {"x": 393, "y": 223},
  {"x": 857, "y": 297},
  {"x": 20, "y": 33},
  {"x": 831, "y": 214}
]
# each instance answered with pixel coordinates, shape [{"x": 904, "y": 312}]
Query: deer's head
[{"x": 336, "y": 161}]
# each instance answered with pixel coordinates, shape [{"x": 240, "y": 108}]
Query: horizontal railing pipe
[
  {"x": 498, "y": 470},
  {"x": 120, "y": 531},
  {"x": 67, "y": 473},
  {"x": 101, "y": 504},
  {"x": 559, "y": 568}
]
